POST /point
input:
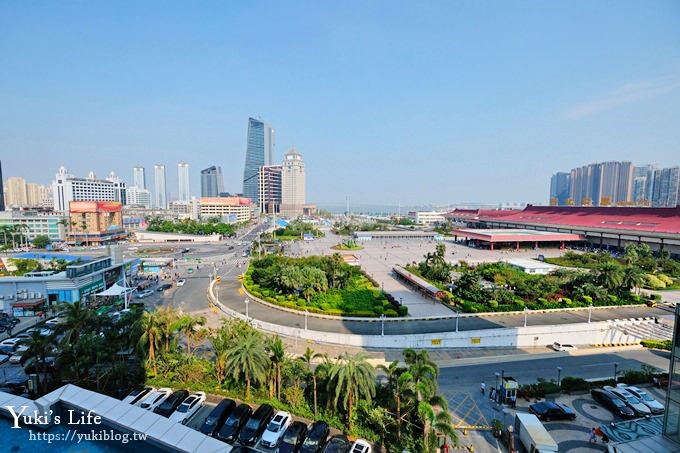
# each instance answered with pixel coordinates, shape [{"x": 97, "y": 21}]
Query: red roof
[{"x": 660, "y": 220}]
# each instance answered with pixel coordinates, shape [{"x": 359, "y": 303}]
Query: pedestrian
[
  {"x": 492, "y": 394},
  {"x": 592, "y": 436},
  {"x": 483, "y": 387},
  {"x": 513, "y": 400}
]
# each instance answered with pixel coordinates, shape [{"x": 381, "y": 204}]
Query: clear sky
[{"x": 388, "y": 101}]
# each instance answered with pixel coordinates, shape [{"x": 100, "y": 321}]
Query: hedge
[{"x": 657, "y": 344}]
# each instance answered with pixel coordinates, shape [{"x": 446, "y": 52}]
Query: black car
[
  {"x": 548, "y": 410},
  {"x": 234, "y": 423},
  {"x": 138, "y": 394},
  {"x": 217, "y": 417},
  {"x": 291, "y": 442},
  {"x": 171, "y": 403},
  {"x": 613, "y": 403},
  {"x": 337, "y": 444},
  {"x": 316, "y": 437},
  {"x": 163, "y": 287},
  {"x": 255, "y": 425}
]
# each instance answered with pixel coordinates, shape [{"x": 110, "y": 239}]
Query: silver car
[
  {"x": 632, "y": 401},
  {"x": 653, "y": 405}
]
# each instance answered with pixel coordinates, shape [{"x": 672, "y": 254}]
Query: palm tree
[
  {"x": 609, "y": 275},
  {"x": 307, "y": 358},
  {"x": 354, "y": 379},
  {"x": 78, "y": 320},
  {"x": 248, "y": 358},
  {"x": 187, "y": 324},
  {"x": 400, "y": 383},
  {"x": 39, "y": 347},
  {"x": 277, "y": 356},
  {"x": 151, "y": 337},
  {"x": 433, "y": 413},
  {"x": 221, "y": 342},
  {"x": 168, "y": 324},
  {"x": 633, "y": 277}
]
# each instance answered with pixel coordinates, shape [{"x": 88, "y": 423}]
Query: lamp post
[
  {"x": 526, "y": 315},
  {"x": 382, "y": 325},
  {"x": 559, "y": 372},
  {"x": 498, "y": 377},
  {"x": 590, "y": 312},
  {"x": 457, "y": 318},
  {"x": 616, "y": 372},
  {"x": 306, "y": 315},
  {"x": 247, "y": 316}
]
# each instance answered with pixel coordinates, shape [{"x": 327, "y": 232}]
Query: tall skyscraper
[
  {"x": 160, "y": 189},
  {"x": 16, "y": 192},
  {"x": 139, "y": 177},
  {"x": 602, "y": 184},
  {"x": 559, "y": 189},
  {"x": 2, "y": 190},
  {"x": 293, "y": 184},
  {"x": 259, "y": 152},
  {"x": 666, "y": 188},
  {"x": 212, "y": 183},
  {"x": 183, "y": 180}
]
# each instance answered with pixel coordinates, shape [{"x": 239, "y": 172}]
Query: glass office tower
[{"x": 259, "y": 152}]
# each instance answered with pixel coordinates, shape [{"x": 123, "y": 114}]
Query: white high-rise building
[
  {"x": 183, "y": 179},
  {"x": 67, "y": 188},
  {"x": 138, "y": 197},
  {"x": 15, "y": 191},
  {"x": 160, "y": 192},
  {"x": 139, "y": 177},
  {"x": 292, "y": 184}
]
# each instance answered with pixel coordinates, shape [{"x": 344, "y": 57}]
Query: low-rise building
[
  {"x": 231, "y": 209},
  {"x": 95, "y": 222},
  {"x": 426, "y": 217},
  {"x": 29, "y": 224}
]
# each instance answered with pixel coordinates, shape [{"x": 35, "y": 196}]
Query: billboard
[{"x": 95, "y": 206}]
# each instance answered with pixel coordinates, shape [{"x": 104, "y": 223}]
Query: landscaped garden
[
  {"x": 188, "y": 226},
  {"x": 349, "y": 244},
  {"x": 296, "y": 230},
  {"x": 491, "y": 287},
  {"x": 318, "y": 284}
]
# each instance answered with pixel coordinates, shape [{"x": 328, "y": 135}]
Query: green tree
[
  {"x": 307, "y": 358},
  {"x": 151, "y": 339},
  {"x": 633, "y": 278},
  {"x": 41, "y": 241},
  {"x": 247, "y": 359},
  {"x": 610, "y": 275},
  {"x": 39, "y": 347},
  {"x": 277, "y": 357},
  {"x": 352, "y": 379},
  {"x": 400, "y": 385},
  {"x": 190, "y": 326}
]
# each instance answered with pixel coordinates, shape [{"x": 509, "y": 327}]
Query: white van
[{"x": 533, "y": 434}]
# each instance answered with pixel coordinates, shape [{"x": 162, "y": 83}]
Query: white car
[
  {"x": 145, "y": 293},
  {"x": 138, "y": 395},
  {"x": 361, "y": 446},
  {"x": 275, "y": 429},
  {"x": 155, "y": 398},
  {"x": 10, "y": 341},
  {"x": 54, "y": 321},
  {"x": 181, "y": 282},
  {"x": 16, "y": 358},
  {"x": 562, "y": 347},
  {"x": 653, "y": 405},
  {"x": 188, "y": 408},
  {"x": 630, "y": 400}
]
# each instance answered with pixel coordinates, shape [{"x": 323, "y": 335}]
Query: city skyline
[{"x": 476, "y": 103}]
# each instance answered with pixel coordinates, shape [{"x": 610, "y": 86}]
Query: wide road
[{"x": 230, "y": 297}]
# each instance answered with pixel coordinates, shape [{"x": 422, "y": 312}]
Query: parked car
[
  {"x": 16, "y": 358},
  {"x": 316, "y": 437},
  {"x": 654, "y": 406},
  {"x": 145, "y": 293},
  {"x": 137, "y": 395},
  {"x": 563, "y": 347},
  {"x": 181, "y": 282},
  {"x": 10, "y": 342},
  {"x": 612, "y": 402},
  {"x": 275, "y": 429},
  {"x": 171, "y": 403},
  {"x": 255, "y": 425},
  {"x": 548, "y": 410},
  {"x": 163, "y": 287},
  {"x": 361, "y": 446},
  {"x": 55, "y": 321},
  {"x": 4, "y": 357},
  {"x": 218, "y": 416},
  {"x": 291, "y": 442},
  {"x": 155, "y": 398},
  {"x": 640, "y": 409},
  {"x": 188, "y": 408},
  {"x": 229, "y": 431}
]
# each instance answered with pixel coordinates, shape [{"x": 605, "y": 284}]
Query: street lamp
[
  {"x": 247, "y": 317},
  {"x": 590, "y": 312},
  {"x": 306, "y": 314},
  {"x": 559, "y": 372},
  {"x": 382, "y": 325},
  {"x": 457, "y": 317},
  {"x": 526, "y": 315},
  {"x": 498, "y": 377},
  {"x": 616, "y": 372}
]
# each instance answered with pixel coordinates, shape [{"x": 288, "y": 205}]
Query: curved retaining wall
[{"x": 600, "y": 333}]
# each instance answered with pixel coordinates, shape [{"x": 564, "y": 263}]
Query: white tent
[{"x": 114, "y": 290}]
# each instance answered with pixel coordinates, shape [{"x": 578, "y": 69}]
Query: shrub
[
  {"x": 403, "y": 310},
  {"x": 294, "y": 397},
  {"x": 566, "y": 301},
  {"x": 493, "y": 304},
  {"x": 657, "y": 344},
  {"x": 656, "y": 296},
  {"x": 588, "y": 299},
  {"x": 665, "y": 278},
  {"x": 391, "y": 313},
  {"x": 654, "y": 282},
  {"x": 636, "y": 377},
  {"x": 613, "y": 298},
  {"x": 571, "y": 384},
  {"x": 549, "y": 387}
]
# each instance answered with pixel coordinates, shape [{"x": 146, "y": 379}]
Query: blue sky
[{"x": 388, "y": 101}]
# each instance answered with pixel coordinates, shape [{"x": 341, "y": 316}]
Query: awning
[
  {"x": 29, "y": 304},
  {"x": 115, "y": 290}
]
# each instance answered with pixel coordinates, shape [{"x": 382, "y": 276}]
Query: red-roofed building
[{"x": 602, "y": 226}]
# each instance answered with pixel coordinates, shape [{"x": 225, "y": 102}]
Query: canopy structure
[{"x": 115, "y": 290}]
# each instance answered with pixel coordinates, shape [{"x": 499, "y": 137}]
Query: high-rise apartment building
[
  {"x": 601, "y": 184},
  {"x": 269, "y": 180},
  {"x": 160, "y": 189},
  {"x": 665, "y": 187},
  {"x": 259, "y": 152},
  {"x": 67, "y": 188},
  {"x": 138, "y": 197},
  {"x": 293, "y": 184},
  {"x": 559, "y": 189},
  {"x": 183, "y": 180},
  {"x": 139, "y": 177},
  {"x": 212, "y": 183},
  {"x": 16, "y": 192},
  {"x": 2, "y": 190}
]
